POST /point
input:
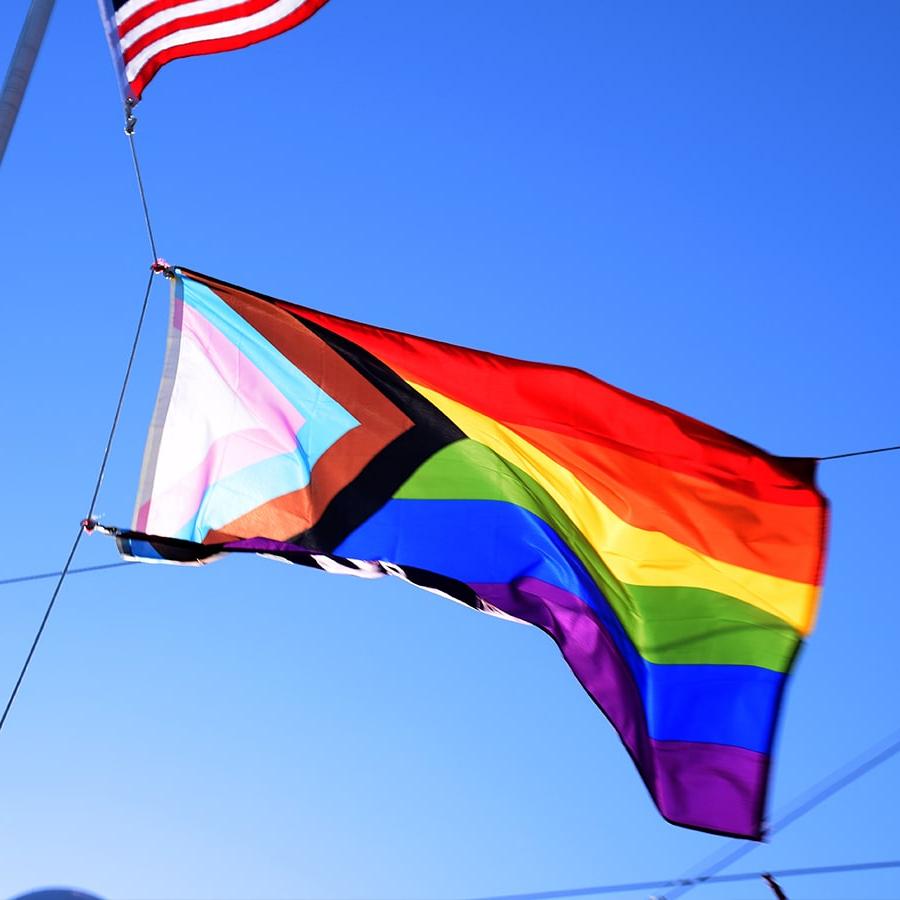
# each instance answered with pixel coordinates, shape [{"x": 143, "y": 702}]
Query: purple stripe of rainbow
[{"x": 708, "y": 786}]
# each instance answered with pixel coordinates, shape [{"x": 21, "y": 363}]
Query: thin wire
[
  {"x": 877, "y": 754},
  {"x": 859, "y": 453},
  {"x": 130, "y": 122},
  {"x": 40, "y": 631},
  {"x": 699, "y": 880},
  {"x": 837, "y": 780},
  {"x": 42, "y": 575},
  {"x": 88, "y": 518}
]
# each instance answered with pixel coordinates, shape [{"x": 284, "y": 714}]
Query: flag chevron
[{"x": 676, "y": 567}]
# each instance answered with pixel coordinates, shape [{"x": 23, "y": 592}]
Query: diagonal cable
[
  {"x": 88, "y": 519},
  {"x": 700, "y": 881},
  {"x": 859, "y": 453}
]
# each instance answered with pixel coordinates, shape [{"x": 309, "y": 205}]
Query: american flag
[{"x": 146, "y": 34}]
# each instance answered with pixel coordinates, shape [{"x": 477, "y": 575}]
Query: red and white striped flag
[{"x": 146, "y": 34}]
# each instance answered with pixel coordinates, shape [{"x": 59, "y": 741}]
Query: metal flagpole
[{"x": 19, "y": 72}]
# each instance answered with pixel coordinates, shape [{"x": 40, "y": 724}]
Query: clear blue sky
[{"x": 698, "y": 202}]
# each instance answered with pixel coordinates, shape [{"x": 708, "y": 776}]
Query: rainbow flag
[{"x": 676, "y": 567}]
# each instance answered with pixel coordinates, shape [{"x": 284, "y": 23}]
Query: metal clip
[{"x": 130, "y": 117}]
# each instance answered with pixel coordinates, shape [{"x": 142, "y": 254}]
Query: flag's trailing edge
[
  {"x": 146, "y": 34},
  {"x": 676, "y": 567}
]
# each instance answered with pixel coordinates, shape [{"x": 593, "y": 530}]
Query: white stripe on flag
[
  {"x": 130, "y": 8},
  {"x": 231, "y": 28},
  {"x": 360, "y": 568},
  {"x": 170, "y": 15}
]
